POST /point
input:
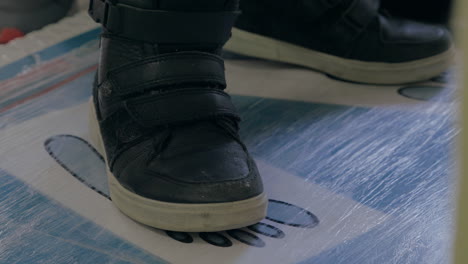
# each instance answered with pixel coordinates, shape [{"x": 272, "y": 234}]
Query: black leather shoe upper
[
  {"x": 399, "y": 40},
  {"x": 431, "y": 11},
  {"x": 169, "y": 129},
  {"x": 353, "y": 29}
]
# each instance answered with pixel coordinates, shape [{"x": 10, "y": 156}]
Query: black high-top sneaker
[
  {"x": 170, "y": 133},
  {"x": 349, "y": 39}
]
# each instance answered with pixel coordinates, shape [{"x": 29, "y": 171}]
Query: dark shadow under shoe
[{"x": 349, "y": 39}]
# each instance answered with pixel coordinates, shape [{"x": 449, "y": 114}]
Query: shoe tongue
[
  {"x": 312, "y": 10},
  {"x": 199, "y": 5},
  {"x": 196, "y": 136},
  {"x": 184, "y": 5}
]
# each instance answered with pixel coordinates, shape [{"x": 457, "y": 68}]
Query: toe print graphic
[
  {"x": 278, "y": 212},
  {"x": 180, "y": 236},
  {"x": 67, "y": 149},
  {"x": 291, "y": 215},
  {"x": 246, "y": 238},
  {"x": 267, "y": 230},
  {"x": 216, "y": 239}
]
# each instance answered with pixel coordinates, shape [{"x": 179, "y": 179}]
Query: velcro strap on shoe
[
  {"x": 163, "y": 27},
  {"x": 166, "y": 70},
  {"x": 356, "y": 18},
  {"x": 314, "y": 9},
  {"x": 180, "y": 106}
]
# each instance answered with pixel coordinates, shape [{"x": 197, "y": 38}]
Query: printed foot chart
[{"x": 355, "y": 174}]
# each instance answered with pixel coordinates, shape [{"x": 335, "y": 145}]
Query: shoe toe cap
[
  {"x": 392, "y": 40},
  {"x": 409, "y": 40},
  {"x": 221, "y": 174}
]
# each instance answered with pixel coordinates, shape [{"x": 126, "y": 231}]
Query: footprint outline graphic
[{"x": 56, "y": 146}]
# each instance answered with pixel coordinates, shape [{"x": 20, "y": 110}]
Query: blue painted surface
[
  {"x": 37, "y": 230},
  {"x": 392, "y": 159},
  {"x": 75, "y": 92},
  {"x": 393, "y": 151},
  {"x": 52, "y": 52}
]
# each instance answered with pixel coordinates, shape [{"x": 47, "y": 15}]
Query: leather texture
[
  {"x": 166, "y": 70},
  {"x": 184, "y": 5},
  {"x": 169, "y": 130},
  {"x": 180, "y": 106},
  {"x": 161, "y": 26},
  {"x": 352, "y": 29},
  {"x": 399, "y": 40},
  {"x": 434, "y": 11}
]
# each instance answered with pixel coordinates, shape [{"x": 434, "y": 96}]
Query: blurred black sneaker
[
  {"x": 435, "y": 11},
  {"x": 349, "y": 39}
]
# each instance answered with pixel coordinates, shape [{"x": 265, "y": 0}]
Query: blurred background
[
  {"x": 19, "y": 17},
  {"x": 420, "y": 230}
]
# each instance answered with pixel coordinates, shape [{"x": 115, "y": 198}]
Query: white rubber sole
[
  {"x": 250, "y": 44},
  {"x": 176, "y": 216}
]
